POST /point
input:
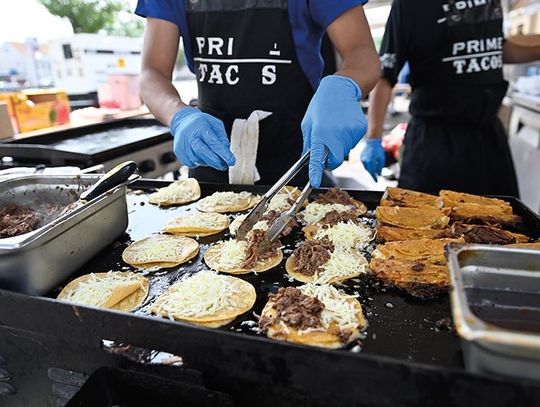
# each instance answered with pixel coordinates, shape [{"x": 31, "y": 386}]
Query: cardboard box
[
  {"x": 6, "y": 126},
  {"x": 39, "y": 109}
]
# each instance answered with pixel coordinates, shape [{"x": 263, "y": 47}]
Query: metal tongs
[{"x": 257, "y": 212}]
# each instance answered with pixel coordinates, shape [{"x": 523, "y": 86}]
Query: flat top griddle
[
  {"x": 399, "y": 326},
  {"x": 87, "y": 144},
  {"x": 405, "y": 359}
]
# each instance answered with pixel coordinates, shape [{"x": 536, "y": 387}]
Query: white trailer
[{"x": 82, "y": 62}]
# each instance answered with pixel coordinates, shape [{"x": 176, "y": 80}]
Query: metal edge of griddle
[
  {"x": 25, "y": 149},
  {"x": 275, "y": 363}
]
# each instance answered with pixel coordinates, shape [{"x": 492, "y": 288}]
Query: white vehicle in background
[{"x": 82, "y": 62}]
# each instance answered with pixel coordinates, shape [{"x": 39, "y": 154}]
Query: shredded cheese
[
  {"x": 261, "y": 225},
  {"x": 347, "y": 234},
  {"x": 314, "y": 212},
  {"x": 336, "y": 307},
  {"x": 227, "y": 198},
  {"x": 280, "y": 201},
  {"x": 202, "y": 294},
  {"x": 232, "y": 253},
  {"x": 199, "y": 219},
  {"x": 97, "y": 290},
  {"x": 342, "y": 263}
]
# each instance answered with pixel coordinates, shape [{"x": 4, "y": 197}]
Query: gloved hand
[
  {"x": 373, "y": 157},
  {"x": 200, "y": 140},
  {"x": 335, "y": 121}
]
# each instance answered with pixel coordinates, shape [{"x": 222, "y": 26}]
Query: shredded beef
[
  {"x": 311, "y": 255},
  {"x": 16, "y": 220},
  {"x": 334, "y": 217},
  {"x": 273, "y": 215},
  {"x": 254, "y": 239},
  {"x": 482, "y": 234},
  {"x": 294, "y": 308},
  {"x": 335, "y": 196}
]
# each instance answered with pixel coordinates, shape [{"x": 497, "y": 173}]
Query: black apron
[
  {"x": 455, "y": 140},
  {"x": 245, "y": 60}
]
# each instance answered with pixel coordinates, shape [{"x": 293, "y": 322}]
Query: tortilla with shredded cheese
[
  {"x": 344, "y": 264},
  {"x": 197, "y": 224},
  {"x": 207, "y": 299},
  {"x": 123, "y": 291},
  {"x": 160, "y": 251},
  {"x": 315, "y": 212},
  {"x": 341, "y": 313},
  {"x": 179, "y": 192},
  {"x": 227, "y": 257},
  {"x": 347, "y": 234},
  {"x": 224, "y": 202}
]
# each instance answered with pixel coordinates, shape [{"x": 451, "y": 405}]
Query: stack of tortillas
[
  {"x": 224, "y": 202},
  {"x": 178, "y": 193},
  {"x": 122, "y": 291},
  {"x": 198, "y": 224},
  {"x": 206, "y": 299},
  {"x": 160, "y": 251}
]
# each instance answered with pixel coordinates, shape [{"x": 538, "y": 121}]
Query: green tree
[{"x": 87, "y": 16}]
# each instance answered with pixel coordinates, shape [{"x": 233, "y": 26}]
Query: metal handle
[{"x": 111, "y": 179}]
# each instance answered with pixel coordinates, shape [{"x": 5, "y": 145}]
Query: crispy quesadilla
[
  {"x": 453, "y": 199},
  {"x": 485, "y": 234},
  {"x": 121, "y": 291},
  {"x": 484, "y": 214},
  {"x": 409, "y": 198},
  {"x": 413, "y": 218},
  {"x": 419, "y": 279},
  {"x": 423, "y": 250},
  {"x": 391, "y": 234}
]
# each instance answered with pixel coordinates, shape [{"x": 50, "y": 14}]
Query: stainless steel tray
[
  {"x": 496, "y": 308},
  {"x": 36, "y": 262}
]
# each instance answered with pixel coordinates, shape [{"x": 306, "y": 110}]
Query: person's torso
[{"x": 455, "y": 58}]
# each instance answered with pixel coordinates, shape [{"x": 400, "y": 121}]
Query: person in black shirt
[{"x": 456, "y": 52}]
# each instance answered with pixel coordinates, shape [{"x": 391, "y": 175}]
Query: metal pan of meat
[{"x": 46, "y": 234}]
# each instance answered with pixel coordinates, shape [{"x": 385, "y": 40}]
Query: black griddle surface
[
  {"x": 99, "y": 142},
  {"x": 399, "y": 326}
]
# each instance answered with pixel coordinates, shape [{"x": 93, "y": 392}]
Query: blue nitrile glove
[
  {"x": 200, "y": 140},
  {"x": 335, "y": 121},
  {"x": 373, "y": 157}
]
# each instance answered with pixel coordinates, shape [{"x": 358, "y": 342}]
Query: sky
[{"x": 20, "y": 19}]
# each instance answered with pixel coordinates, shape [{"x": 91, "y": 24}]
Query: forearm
[
  {"x": 378, "y": 103},
  {"x": 160, "y": 95},
  {"x": 522, "y": 49},
  {"x": 362, "y": 64}
]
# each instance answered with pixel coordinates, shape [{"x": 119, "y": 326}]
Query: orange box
[{"x": 39, "y": 109}]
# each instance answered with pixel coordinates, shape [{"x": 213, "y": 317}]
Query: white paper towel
[{"x": 244, "y": 144}]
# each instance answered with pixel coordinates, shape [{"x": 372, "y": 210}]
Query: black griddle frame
[
  {"x": 48, "y": 349},
  {"x": 37, "y": 149}
]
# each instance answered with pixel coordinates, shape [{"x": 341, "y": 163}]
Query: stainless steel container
[
  {"x": 496, "y": 308},
  {"x": 36, "y": 262}
]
